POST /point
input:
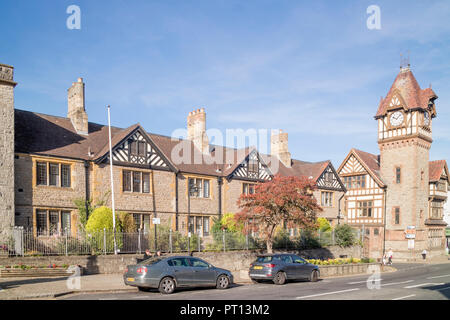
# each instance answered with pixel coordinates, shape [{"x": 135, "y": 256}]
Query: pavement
[
  {"x": 48, "y": 288},
  {"x": 38, "y": 288},
  {"x": 111, "y": 285}
]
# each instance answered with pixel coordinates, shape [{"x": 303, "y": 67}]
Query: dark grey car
[
  {"x": 168, "y": 273},
  {"x": 282, "y": 267}
]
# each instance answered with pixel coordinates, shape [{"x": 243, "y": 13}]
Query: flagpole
[{"x": 112, "y": 180}]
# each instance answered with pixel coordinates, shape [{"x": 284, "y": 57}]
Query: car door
[
  {"x": 182, "y": 271},
  {"x": 203, "y": 274},
  {"x": 302, "y": 269},
  {"x": 288, "y": 266}
]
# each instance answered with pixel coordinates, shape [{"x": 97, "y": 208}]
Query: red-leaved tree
[{"x": 282, "y": 199}]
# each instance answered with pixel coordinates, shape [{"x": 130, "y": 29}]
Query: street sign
[
  {"x": 156, "y": 221},
  {"x": 411, "y": 244},
  {"x": 189, "y": 234},
  {"x": 410, "y": 232}
]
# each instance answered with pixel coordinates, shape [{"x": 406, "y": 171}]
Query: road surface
[{"x": 410, "y": 282}]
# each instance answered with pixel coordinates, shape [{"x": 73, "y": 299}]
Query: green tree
[
  {"x": 344, "y": 235},
  {"x": 324, "y": 224}
]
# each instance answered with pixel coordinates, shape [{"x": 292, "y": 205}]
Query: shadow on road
[
  {"x": 443, "y": 289},
  {"x": 192, "y": 289}
]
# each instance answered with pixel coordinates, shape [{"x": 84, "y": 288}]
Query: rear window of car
[
  {"x": 150, "y": 261},
  {"x": 264, "y": 259}
]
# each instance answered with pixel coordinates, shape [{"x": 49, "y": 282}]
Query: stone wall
[
  {"x": 234, "y": 261},
  {"x": 6, "y": 149}
]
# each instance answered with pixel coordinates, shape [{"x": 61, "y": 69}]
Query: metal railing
[{"x": 22, "y": 242}]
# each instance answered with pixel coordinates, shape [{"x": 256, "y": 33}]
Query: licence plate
[
  {"x": 130, "y": 279},
  {"x": 257, "y": 267}
]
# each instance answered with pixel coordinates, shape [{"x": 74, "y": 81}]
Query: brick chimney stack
[
  {"x": 196, "y": 126},
  {"x": 76, "y": 111},
  {"x": 279, "y": 147}
]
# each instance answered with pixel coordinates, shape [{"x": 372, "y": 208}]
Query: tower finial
[{"x": 404, "y": 61}]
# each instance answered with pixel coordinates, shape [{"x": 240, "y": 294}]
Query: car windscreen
[
  {"x": 150, "y": 261},
  {"x": 264, "y": 259}
]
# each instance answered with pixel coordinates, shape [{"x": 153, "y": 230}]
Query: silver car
[
  {"x": 282, "y": 267},
  {"x": 168, "y": 273}
]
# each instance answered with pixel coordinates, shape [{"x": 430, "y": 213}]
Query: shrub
[
  {"x": 324, "y": 224},
  {"x": 101, "y": 218},
  {"x": 344, "y": 235},
  {"x": 308, "y": 240},
  {"x": 283, "y": 241}
]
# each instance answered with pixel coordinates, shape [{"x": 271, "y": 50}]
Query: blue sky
[{"x": 312, "y": 68}]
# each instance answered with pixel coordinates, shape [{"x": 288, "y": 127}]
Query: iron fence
[{"x": 20, "y": 242}]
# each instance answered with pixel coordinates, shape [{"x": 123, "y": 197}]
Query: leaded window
[
  {"x": 145, "y": 182},
  {"x": 65, "y": 176},
  {"x": 41, "y": 221},
  {"x": 365, "y": 208},
  {"x": 126, "y": 179},
  {"x": 65, "y": 222},
  {"x": 136, "y": 181},
  {"x": 53, "y": 174},
  {"x": 41, "y": 173},
  {"x": 199, "y": 188},
  {"x": 326, "y": 199}
]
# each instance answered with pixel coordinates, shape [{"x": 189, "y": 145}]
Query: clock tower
[{"x": 404, "y": 137}]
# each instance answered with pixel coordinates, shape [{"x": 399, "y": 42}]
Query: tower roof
[{"x": 407, "y": 90}]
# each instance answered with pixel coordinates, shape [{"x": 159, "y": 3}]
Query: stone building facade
[
  {"x": 398, "y": 196},
  {"x": 49, "y": 162}
]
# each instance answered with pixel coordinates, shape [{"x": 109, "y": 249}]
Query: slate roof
[{"x": 41, "y": 134}]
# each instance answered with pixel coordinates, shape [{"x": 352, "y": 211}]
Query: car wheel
[
  {"x": 280, "y": 278},
  {"x": 144, "y": 289},
  {"x": 314, "y": 276},
  {"x": 167, "y": 285},
  {"x": 223, "y": 282}
]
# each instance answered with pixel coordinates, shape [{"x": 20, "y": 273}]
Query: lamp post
[{"x": 192, "y": 190}]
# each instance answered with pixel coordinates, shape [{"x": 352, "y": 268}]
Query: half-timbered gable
[
  {"x": 330, "y": 180},
  {"x": 138, "y": 149},
  {"x": 364, "y": 198},
  {"x": 252, "y": 168},
  {"x": 439, "y": 186}
]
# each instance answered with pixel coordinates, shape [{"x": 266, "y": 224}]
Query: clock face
[
  {"x": 426, "y": 118},
  {"x": 396, "y": 118}
]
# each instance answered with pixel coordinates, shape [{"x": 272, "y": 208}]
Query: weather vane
[{"x": 404, "y": 61}]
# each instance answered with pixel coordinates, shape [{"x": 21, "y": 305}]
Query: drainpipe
[
  {"x": 339, "y": 208},
  {"x": 86, "y": 190},
  {"x": 384, "y": 227},
  {"x": 219, "y": 187},
  {"x": 176, "y": 201}
]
